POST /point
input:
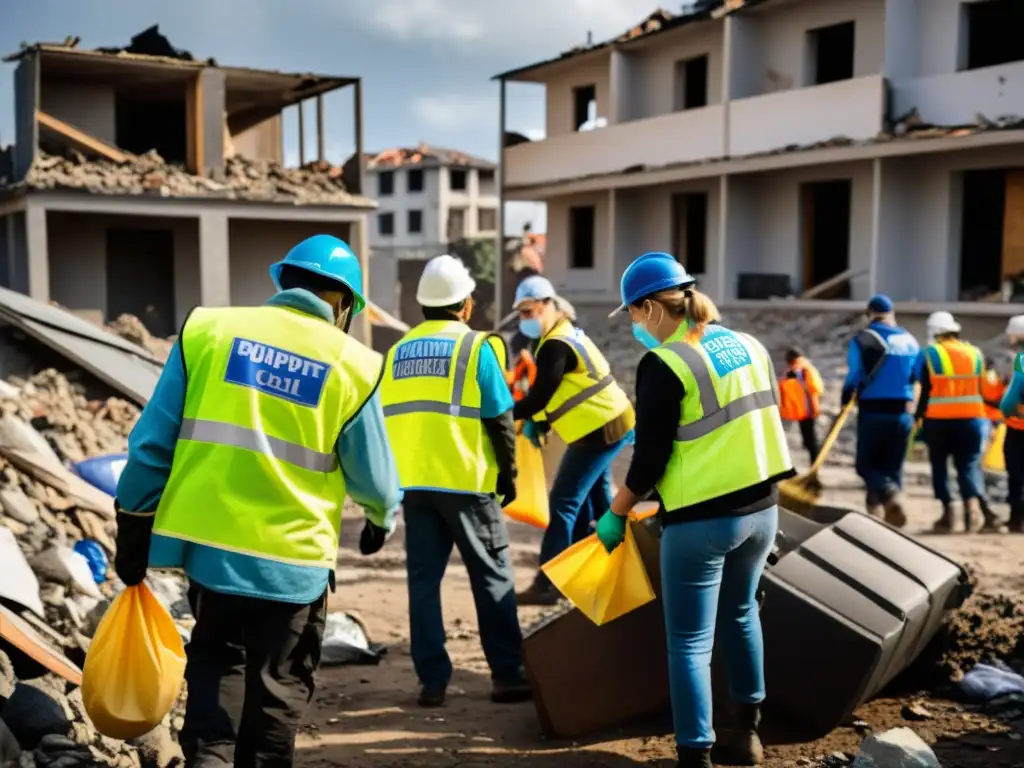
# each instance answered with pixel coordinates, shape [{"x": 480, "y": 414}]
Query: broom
[{"x": 801, "y": 494}]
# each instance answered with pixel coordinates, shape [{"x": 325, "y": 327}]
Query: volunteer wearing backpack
[
  {"x": 1012, "y": 407},
  {"x": 263, "y": 420},
  {"x": 575, "y": 394},
  {"x": 800, "y": 398},
  {"x": 884, "y": 365},
  {"x": 449, "y": 418},
  {"x": 710, "y": 440},
  {"x": 953, "y": 413}
]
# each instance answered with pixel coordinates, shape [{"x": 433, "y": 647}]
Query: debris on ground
[
  {"x": 897, "y": 748},
  {"x": 986, "y": 628}
]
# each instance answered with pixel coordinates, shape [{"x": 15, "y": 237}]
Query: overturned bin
[{"x": 849, "y": 603}]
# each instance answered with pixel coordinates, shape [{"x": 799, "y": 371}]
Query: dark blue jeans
[
  {"x": 434, "y": 522},
  {"x": 881, "y": 449},
  {"x": 961, "y": 440},
  {"x": 581, "y": 492},
  {"x": 710, "y": 570}
]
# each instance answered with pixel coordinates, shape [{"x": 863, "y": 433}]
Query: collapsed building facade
[{"x": 145, "y": 181}]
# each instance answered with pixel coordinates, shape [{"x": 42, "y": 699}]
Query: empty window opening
[
  {"x": 692, "y": 83},
  {"x": 584, "y": 106},
  {"x": 487, "y": 220},
  {"x": 414, "y": 180},
  {"x": 386, "y": 224},
  {"x": 386, "y": 183},
  {"x": 456, "y": 224},
  {"x": 581, "y": 237},
  {"x": 140, "y": 277},
  {"x": 415, "y": 222},
  {"x": 994, "y": 33},
  {"x": 690, "y": 231},
  {"x": 157, "y": 121},
  {"x": 487, "y": 181},
  {"x": 458, "y": 180},
  {"x": 981, "y": 233},
  {"x": 826, "y": 234},
  {"x": 831, "y": 52}
]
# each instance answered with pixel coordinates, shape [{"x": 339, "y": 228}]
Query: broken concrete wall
[
  {"x": 78, "y": 259},
  {"x": 264, "y": 141},
  {"x": 89, "y": 107}
]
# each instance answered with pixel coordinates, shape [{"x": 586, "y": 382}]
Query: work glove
[
  {"x": 132, "y": 556},
  {"x": 611, "y": 530},
  {"x": 372, "y": 538},
  {"x": 506, "y": 489},
  {"x": 535, "y": 433}
]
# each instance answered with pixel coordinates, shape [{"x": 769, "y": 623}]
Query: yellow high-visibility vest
[
  {"x": 255, "y": 468},
  {"x": 589, "y": 397},
  {"x": 730, "y": 434},
  {"x": 431, "y": 402}
]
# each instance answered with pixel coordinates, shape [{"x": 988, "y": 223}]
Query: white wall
[
  {"x": 598, "y": 281},
  {"x": 560, "y": 103},
  {"x": 400, "y": 202},
  {"x": 86, "y": 106},
  {"x": 472, "y": 200}
]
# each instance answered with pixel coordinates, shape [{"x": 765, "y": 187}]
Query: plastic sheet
[
  {"x": 135, "y": 666},
  {"x": 602, "y": 586},
  {"x": 531, "y": 503}
]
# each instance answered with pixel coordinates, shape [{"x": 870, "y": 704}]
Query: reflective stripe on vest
[
  {"x": 955, "y": 371},
  {"x": 586, "y": 400},
  {"x": 432, "y": 407},
  {"x": 721, "y": 449},
  {"x": 255, "y": 470}
]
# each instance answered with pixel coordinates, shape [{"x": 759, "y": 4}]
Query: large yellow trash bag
[
  {"x": 531, "y": 503},
  {"x": 135, "y": 666},
  {"x": 603, "y": 586},
  {"x": 994, "y": 459}
]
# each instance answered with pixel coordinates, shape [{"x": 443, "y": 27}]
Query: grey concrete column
[
  {"x": 37, "y": 252},
  {"x": 358, "y": 240},
  {"x": 876, "y": 225},
  {"x": 214, "y": 260},
  {"x": 722, "y": 281},
  {"x": 618, "y": 88}
]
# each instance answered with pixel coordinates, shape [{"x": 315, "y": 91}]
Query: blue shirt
[
  {"x": 895, "y": 377},
  {"x": 363, "y": 450},
  {"x": 1014, "y": 395}
]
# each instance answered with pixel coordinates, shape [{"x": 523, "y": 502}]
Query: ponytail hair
[{"x": 690, "y": 304}]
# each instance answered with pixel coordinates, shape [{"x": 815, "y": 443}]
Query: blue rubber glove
[
  {"x": 611, "y": 530},
  {"x": 533, "y": 433}
]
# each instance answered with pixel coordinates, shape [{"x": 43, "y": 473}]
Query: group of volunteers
[
  {"x": 960, "y": 400},
  {"x": 265, "y": 418}
]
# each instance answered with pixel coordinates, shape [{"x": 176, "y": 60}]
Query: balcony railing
[{"x": 959, "y": 98}]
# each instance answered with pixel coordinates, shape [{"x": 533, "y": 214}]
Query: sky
[{"x": 426, "y": 64}]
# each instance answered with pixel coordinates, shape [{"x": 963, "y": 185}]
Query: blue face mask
[
  {"x": 645, "y": 337},
  {"x": 531, "y": 328}
]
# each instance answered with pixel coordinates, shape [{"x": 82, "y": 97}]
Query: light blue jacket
[
  {"x": 363, "y": 452},
  {"x": 1014, "y": 395}
]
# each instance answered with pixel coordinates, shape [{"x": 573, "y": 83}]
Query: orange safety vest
[
  {"x": 992, "y": 390},
  {"x": 955, "y": 371},
  {"x": 800, "y": 394}
]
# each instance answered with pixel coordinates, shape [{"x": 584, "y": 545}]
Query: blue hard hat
[
  {"x": 330, "y": 257},
  {"x": 649, "y": 274},
  {"x": 533, "y": 288},
  {"x": 880, "y": 304}
]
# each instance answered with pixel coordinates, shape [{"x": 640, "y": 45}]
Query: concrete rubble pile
[
  {"x": 243, "y": 179},
  {"x": 48, "y": 423},
  {"x": 130, "y": 328}
]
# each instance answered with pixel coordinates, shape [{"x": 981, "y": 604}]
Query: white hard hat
[
  {"x": 445, "y": 281},
  {"x": 1016, "y": 326},
  {"x": 942, "y": 322}
]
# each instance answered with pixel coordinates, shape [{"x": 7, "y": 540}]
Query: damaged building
[
  {"x": 823, "y": 150},
  {"x": 145, "y": 181}
]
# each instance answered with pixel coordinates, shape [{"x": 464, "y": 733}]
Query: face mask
[
  {"x": 645, "y": 337},
  {"x": 530, "y": 328}
]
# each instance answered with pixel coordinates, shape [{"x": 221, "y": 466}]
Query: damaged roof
[
  {"x": 424, "y": 155},
  {"x": 317, "y": 183},
  {"x": 658, "y": 21}
]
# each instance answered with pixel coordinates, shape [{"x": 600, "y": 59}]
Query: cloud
[{"x": 454, "y": 111}]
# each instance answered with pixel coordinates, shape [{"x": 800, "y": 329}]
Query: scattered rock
[
  {"x": 18, "y": 506},
  {"x": 917, "y": 711},
  {"x": 7, "y": 679},
  {"x": 32, "y": 714},
  {"x": 898, "y": 748},
  {"x": 158, "y": 749}
]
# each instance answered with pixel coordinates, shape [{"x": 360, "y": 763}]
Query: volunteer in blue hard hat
[
  {"x": 884, "y": 364},
  {"x": 263, "y": 420},
  {"x": 449, "y": 416},
  {"x": 575, "y": 394},
  {"x": 710, "y": 442}
]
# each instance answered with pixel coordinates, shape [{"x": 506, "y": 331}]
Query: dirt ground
[{"x": 366, "y": 717}]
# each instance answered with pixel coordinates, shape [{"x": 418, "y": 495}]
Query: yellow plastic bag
[
  {"x": 135, "y": 666},
  {"x": 531, "y": 503},
  {"x": 994, "y": 459},
  {"x": 603, "y": 586}
]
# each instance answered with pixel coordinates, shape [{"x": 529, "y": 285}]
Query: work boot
[
  {"x": 541, "y": 592},
  {"x": 694, "y": 758},
  {"x": 741, "y": 745},
  {"x": 945, "y": 523},
  {"x": 991, "y": 523},
  {"x": 511, "y": 691},
  {"x": 432, "y": 695},
  {"x": 894, "y": 514}
]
